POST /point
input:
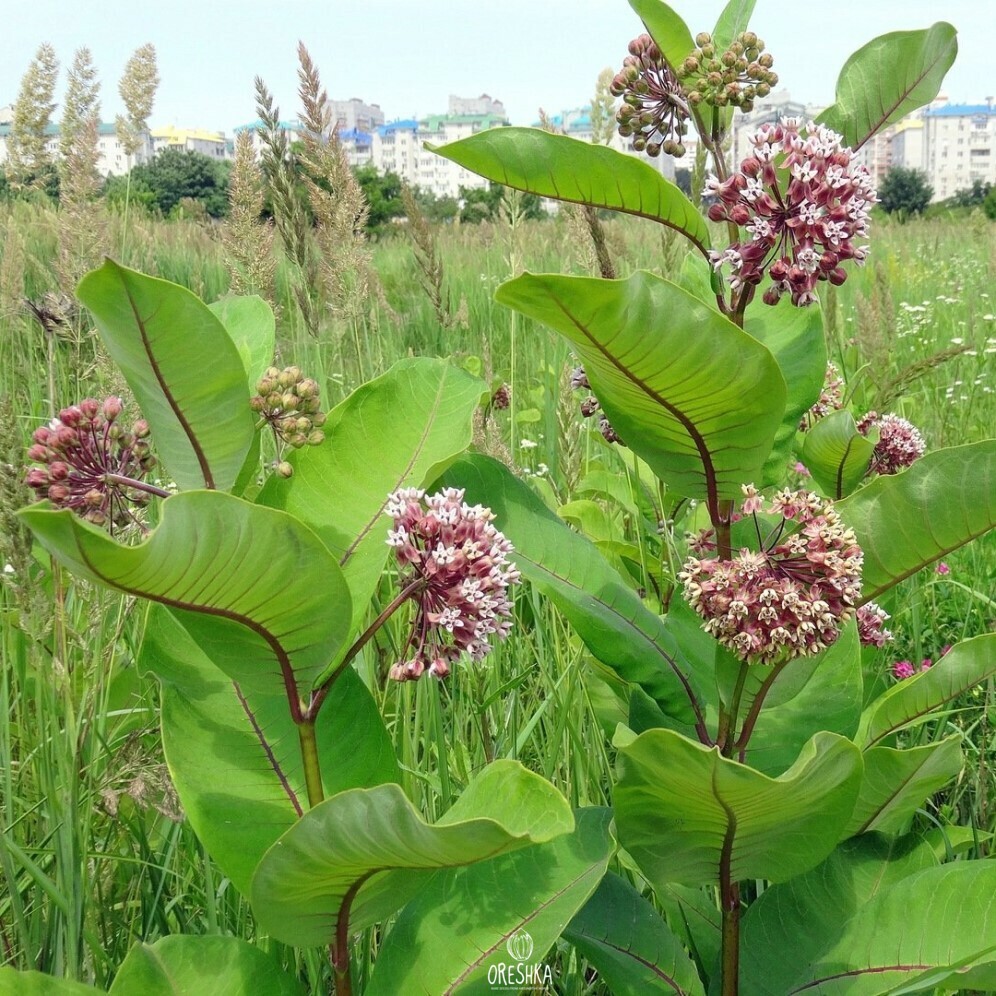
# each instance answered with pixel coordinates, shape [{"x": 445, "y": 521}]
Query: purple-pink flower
[
  {"x": 942, "y": 568},
  {"x": 790, "y": 598},
  {"x": 903, "y": 669},
  {"x": 88, "y": 460},
  {"x": 831, "y": 398},
  {"x": 899, "y": 442},
  {"x": 803, "y": 205},
  {"x": 456, "y": 561},
  {"x": 871, "y": 625}
]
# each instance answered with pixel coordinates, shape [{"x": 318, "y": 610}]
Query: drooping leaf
[
  {"x": 693, "y": 915},
  {"x": 183, "y": 368},
  {"x": 934, "y": 928},
  {"x": 667, "y": 29},
  {"x": 807, "y": 915},
  {"x": 568, "y": 170},
  {"x": 614, "y": 624},
  {"x": 896, "y": 783},
  {"x": 904, "y": 521},
  {"x": 911, "y": 701},
  {"x": 234, "y": 754},
  {"x": 888, "y": 78},
  {"x": 14, "y": 983},
  {"x": 630, "y": 945},
  {"x": 836, "y": 454},
  {"x": 531, "y": 896},
  {"x": 680, "y": 807},
  {"x": 399, "y": 430},
  {"x": 183, "y": 965},
  {"x": 734, "y": 20},
  {"x": 251, "y": 326},
  {"x": 241, "y": 579},
  {"x": 304, "y": 880},
  {"x": 701, "y": 409}
]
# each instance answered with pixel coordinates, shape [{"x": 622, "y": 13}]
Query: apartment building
[
  {"x": 959, "y": 146},
  {"x": 208, "y": 143},
  {"x": 112, "y": 160},
  {"x": 355, "y": 115}
]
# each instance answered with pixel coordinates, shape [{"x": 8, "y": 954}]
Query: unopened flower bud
[
  {"x": 112, "y": 408},
  {"x": 284, "y": 469}
]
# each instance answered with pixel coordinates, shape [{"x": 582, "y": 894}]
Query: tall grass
[{"x": 93, "y": 852}]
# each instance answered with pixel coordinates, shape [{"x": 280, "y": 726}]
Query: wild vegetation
[{"x": 97, "y": 851}]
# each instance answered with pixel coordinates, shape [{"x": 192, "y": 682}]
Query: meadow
[{"x": 94, "y": 849}]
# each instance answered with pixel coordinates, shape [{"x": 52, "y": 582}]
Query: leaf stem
[
  {"x": 728, "y": 717},
  {"x": 312, "y": 765},
  {"x": 129, "y": 482},
  {"x": 755, "y": 710}
]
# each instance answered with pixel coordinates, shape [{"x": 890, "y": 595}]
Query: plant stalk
[{"x": 312, "y": 765}]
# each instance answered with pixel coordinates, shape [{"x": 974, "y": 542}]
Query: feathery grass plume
[
  {"x": 603, "y": 109},
  {"x": 29, "y": 163},
  {"x": 336, "y": 199},
  {"x": 82, "y": 229},
  {"x": 428, "y": 258},
  {"x": 248, "y": 240},
  {"x": 290, "y": 214},
  {"x": 138, "y": 91}
]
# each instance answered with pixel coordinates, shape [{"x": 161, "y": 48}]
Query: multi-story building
[
  {"x": 292, "y": 128},
  {"x": 906, "y": 142},
  {"x": 112, "y": 160},
  {"x": 484, "y": 106},
  {"x": 207, "y": 143},
  {"x": 355, "y": 115},
  {"x": 959, "y": 146},
  {"x": 358, "y": 146}
]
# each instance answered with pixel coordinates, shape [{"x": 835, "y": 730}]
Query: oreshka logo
[{"x": 520, "y": 973}]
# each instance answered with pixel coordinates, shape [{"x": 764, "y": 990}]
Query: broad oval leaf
[
  {"x": 904, "y": 521},
  {"x": 462, "y": 945},
  {"x": 250, "y": 324},
  {"x": 682, "y": 809},
  {"x": 836, "y": 454},
  {"x": 912, "y": 701},
  {"x": 183, "y": 368},
  {"x": 630, "y": 944},
  {"x": 888, "y": 78},
  {"x": 701, "y": 407},
  {"x": 608, "y": 615},
  {"x": 897, "y": 782},
  {"x": 734, "y": 20},
  {"x": 241, "y": 578},
  {"x": 327, "y": 859},
  {"x": 399, "y": 430},
  {"x": 182, "y": 965},
  {"x": 234, "y": 754},
  {"x": 667, "y": 29},
  {"x": 807, "y": 915},
  {"x": 14, "y": 983},
  {"x": 565, "y": 169}
]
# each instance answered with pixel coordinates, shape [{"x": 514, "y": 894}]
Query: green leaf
[
  {"x": 183, "y": 369},
  {"x": 614, "y": 624},
  {"x": 182, "y": 966},
  {"x": 666, "y": 28},
  {"x": 701, "y": 409},
  {"x": 836, "y": 454},
  {"x": 630, "y": 945},
  {"x": 679, "y": 805},
  {"x": 250, "y": 324},
  {"x": 888, "y": 78},
  {"x": 527, "y": 898},
  {"x": 14, "y": 983},
  {"x": 934, "y": 928},
  {"x": 568, "y": 170},
  {"x": 905, "y": 521},
  {"x": 896, "y": 783},
  {"x": 415, "y": 419},
  {"x": 234, "y": 754},
  {"x": 693, "y": 915},
  {"x": 912, "y": 701},
  {"x": 734, "y": 20},
  {"x": 304, "y": 880},
  {"x": 241, "y": 578},
  {"x": 807, "y": 915}
]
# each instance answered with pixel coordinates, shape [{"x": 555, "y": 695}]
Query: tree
[
  {"x": 904, "y": 192},
  {"x": 484, "y": 203},
  {"x": 989, "y": 204},
  {"x": 973, "y": 196},
  {"x": 173, "y": 174},
  {"x": 383, "y": 196},
  {"x": 29, "y": 164}
]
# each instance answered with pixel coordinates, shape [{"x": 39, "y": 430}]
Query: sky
[{"x": 409, "y": 55}]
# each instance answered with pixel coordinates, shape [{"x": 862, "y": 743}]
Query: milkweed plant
[{"x": 761, "y": 837}]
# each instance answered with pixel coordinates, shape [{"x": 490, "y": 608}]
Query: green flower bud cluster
[
  {"x": 653, "y": 111},
  {"x": 289, "y": 403},
  {"x": 734, "y": 78}
]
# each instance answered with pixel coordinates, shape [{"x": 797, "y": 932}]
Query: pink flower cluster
[
  {"x": 871, "y": 625},
  {"x": 460, "y": 558},
  {"x": 831, "y": 398},
  {"x": 901, "y": 670},
  {"x": 899, "y": 442},
  {"x": 791, "y": 598},
  {"x": 802, "y": 203},
  {"x": 88, "y": 459}
]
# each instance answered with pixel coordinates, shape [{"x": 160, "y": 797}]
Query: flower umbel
[
  {"x": 90, "y": 463},
  {"x": 792, "y": 597},
  {"x": 899, "y": 442},
  {"x": 735, "y": 77},
  {"x": 289, "y": 403},
  {"x": 871, "y": 625},
  {"x": 831, "y": 399},
  {"x": 457, "y": 561},
  {"x": 803, "y": 206}
]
